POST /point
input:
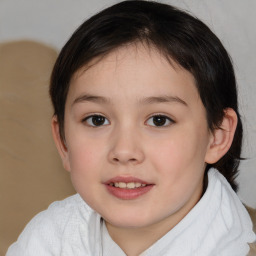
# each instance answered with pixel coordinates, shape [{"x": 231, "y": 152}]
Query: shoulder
[
  {"x": 44, "y": 234},
  {"x": 252, "y": 213}
]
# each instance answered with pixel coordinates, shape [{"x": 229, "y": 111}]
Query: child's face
[{"x": 134, "y": 119}]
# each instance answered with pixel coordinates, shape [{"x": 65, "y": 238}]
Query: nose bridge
[{"x": 126, "y": 145}]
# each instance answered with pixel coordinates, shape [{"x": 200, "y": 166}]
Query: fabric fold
[{"x": 218, "y": 225}]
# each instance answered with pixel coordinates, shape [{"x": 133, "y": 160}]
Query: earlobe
[
  {"x": 60, "y": 144},
  {"x": 222, "y": 137}
]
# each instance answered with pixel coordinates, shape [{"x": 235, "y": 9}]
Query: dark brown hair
[{"x": 180, "y": 37}]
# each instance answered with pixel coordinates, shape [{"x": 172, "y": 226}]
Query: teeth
[
  {"x": 130, "y": 185},
  {"x": 122, "y": 185},
  {"x": 137, "y": 184}
]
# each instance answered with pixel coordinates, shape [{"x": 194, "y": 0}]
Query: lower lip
[{"x": 128, "y": 194}]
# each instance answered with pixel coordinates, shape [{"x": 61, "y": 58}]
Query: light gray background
[{"x": 234, "y": 21}]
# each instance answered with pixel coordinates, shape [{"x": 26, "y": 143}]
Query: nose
[{"x": 126, "y": 148}]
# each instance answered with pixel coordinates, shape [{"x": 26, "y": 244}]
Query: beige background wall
[{"x": 31, "y": 175}]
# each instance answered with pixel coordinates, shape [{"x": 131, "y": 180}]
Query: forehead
[{"x": 137, "y": 69}]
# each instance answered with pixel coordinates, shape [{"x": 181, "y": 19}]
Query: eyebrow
[
  {"x": 91, "y": 98},
  {"x": 163, "y": 99},
  {"x": 143, "y": 101}
]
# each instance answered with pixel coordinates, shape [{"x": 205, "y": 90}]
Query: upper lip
[{"x": 127, "y": 179}]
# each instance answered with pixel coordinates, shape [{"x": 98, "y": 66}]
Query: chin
[{"x": 129, "y": 221}]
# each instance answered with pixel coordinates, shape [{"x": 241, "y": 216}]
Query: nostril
[{"x": 116, "y": 159}]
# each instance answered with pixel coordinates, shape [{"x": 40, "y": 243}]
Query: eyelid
[
  {"x": 161, "y": 115},
  {"x": 90, "y": 115},
  {"x": 85, "y": 119}
]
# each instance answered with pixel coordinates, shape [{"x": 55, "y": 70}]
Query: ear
[
  {"x": 60, "y": 144},
  {"x": 222, "y": 137}
]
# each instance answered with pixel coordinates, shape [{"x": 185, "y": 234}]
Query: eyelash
[
  {"x": 102, "y": 119},
  {"x": 166, "y": 119},
  {"x": 86, "y": 120}
]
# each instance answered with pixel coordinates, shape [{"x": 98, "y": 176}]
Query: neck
[{"x": 134, "y": 241}]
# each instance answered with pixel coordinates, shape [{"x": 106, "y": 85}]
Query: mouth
[
  {"x": 128, "y": 188},
  {"x": 130, "y": 185}
]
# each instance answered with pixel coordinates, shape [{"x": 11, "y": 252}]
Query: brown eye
[
  {"x": 159, "y": 121},
  {"x": 96, "y": 120}
]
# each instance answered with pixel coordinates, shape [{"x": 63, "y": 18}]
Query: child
[{"x": 146, "y": 121}]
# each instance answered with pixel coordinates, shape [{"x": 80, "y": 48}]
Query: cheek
[
  {"x": 181, "y": 167},
  {"x": 84, "y": 158},
  {"x": 181, "y": 158},
  {"x": 83, "y": 148},
  {"x": 179, "y": 151},
  {"x": 85, "y": 166},
  {"x": 79, "y": 156}
]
